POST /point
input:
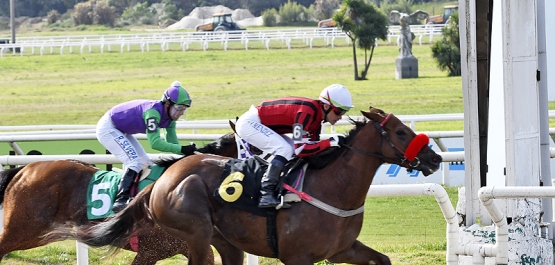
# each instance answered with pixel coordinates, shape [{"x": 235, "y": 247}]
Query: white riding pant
[
  {"x": 125, "y": 147},
  {"x": 250, "y": 128}
]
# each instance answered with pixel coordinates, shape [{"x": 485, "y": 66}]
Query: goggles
[
  {"x": 338, "y": 111},
  {"x": 180, "y": 107}
]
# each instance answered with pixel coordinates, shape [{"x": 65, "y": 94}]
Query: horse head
[{"x": 399, "y": 144}]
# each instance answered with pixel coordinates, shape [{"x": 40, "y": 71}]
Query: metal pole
[{"x": 12, "y": 19}]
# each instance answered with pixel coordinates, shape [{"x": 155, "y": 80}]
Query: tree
[
  {"x": 325, "y": 8},
  {"x": 104, "y": 14},
  {"x": 447, "y": 51},
  {"x": 364, "y": 24},
  {"x": 83, "y": 14}
]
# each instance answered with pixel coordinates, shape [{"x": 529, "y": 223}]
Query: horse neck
[{"x": 350, "y": 175}]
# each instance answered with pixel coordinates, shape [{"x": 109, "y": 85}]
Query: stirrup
[{"x": 282, "y": 204}]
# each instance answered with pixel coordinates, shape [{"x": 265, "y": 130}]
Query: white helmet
[{"x": 337, "y": 96}]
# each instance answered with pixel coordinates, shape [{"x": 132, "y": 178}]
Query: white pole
[
  {"x": 82, "y": 254},
  {"x": 252, "y": 259}
]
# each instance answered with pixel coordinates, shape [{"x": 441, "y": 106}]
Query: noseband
[{"x": 409, "y": 157}]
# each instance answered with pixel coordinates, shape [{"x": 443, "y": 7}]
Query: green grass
[{"x": 78, "y": 89}]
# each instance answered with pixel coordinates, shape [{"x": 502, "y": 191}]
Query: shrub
[
  {"x": 140, "y": 13},
  {"x": 269, "y": 17},
  {"x": 290, "y": 12},
  {"x": 52, "y": 17},
  {"x": 325, "y": 9},
  {"x": 447, "y": 51},
  {"x": 104, "y": 14},
  {"x": 82, "y": 14}
]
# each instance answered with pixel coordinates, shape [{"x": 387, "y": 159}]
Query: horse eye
[{"x": 401, "y": 133}]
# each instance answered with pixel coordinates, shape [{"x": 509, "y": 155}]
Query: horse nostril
[{"x": 437, "y": 159}]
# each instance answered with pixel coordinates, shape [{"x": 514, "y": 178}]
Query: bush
[
  {"x": 291, "y": 12},
  {"x": 52, "y": 17},
  {"x": 269, "y": 17},
  {"x": 104, "y": 14},
  {"x": 83, "y": 14},
  {"x": 447, "y": 51},
  {"x": 325, "y": 8},
  {"x": 140, "y": 13}
]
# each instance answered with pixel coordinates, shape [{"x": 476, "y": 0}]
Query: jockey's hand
[
  {"x": 188, "y": 150},
  {"x": 337, "y": 141}
]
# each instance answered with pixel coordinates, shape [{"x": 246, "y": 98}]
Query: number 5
[{"x": 103, "y": 197}]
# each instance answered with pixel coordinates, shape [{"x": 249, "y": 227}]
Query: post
[{"x": 12, "y": 19}]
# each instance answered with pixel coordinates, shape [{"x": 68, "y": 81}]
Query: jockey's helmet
[
  {"x": 338, "y": 96},
  {"x": 177, "y": 94}
]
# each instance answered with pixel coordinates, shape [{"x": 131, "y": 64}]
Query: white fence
[{"x": 163, "y": 41}]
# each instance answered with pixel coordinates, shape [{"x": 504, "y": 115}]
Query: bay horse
[
  {"x": 182, "y": 201},
  {"x": 43, "y": 195}
]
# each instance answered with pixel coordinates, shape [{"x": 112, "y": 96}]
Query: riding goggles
[
  {"x": 338, "y": 111},
  {"x": 179, "y": 107}
]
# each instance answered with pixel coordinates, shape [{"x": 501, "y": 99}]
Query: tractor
[
  {"x": 220, "y": 22},
  {"x": 326, "y": 23},
  {"x": 443, "y": 18}
]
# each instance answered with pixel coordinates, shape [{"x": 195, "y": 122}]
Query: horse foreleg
[
  {"x": 230, "y": 254},
  {"x": 359, "y": 253}
]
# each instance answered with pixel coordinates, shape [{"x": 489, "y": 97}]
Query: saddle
[{"x": 240, "y": 183}]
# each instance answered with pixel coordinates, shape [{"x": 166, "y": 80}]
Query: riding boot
[
  {"x": 124, "y": 189},
  {"x": 269, "y": 183}
]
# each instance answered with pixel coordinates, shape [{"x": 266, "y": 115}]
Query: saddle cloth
[
  {"x": 240, "y": 183},
  {"x": 103, "y": 188}
]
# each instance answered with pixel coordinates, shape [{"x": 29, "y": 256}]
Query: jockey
[
  {"x": 264, "y": 127},
  {"x": 116, "y": 128}
]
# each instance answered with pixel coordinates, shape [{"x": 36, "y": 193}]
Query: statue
[
  {"x": 406, "y": 36},
  {"x": 406, "y": 65}
]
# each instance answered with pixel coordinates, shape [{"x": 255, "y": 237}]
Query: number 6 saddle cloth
[{"x": 240, "y": 184}]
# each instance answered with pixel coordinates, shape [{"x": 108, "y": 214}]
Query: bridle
[{"x": 400, "y": 158}]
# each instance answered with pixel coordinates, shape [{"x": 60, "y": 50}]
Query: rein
[{"x": 401, "y": 158}]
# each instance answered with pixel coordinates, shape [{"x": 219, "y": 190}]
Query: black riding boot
[
  {"x": 269, "y": 183},
  {"x": 124, "y": 190}
]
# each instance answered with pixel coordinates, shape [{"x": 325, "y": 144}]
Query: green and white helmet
[
  {"x": 177, "y": 95},
  {"x": 337, "y": 96}
]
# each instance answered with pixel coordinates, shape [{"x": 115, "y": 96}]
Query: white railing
[{"x": 163, "y": 41}]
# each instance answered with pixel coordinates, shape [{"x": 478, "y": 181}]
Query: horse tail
[
  {"x": 117, "y": 229},
  {"x": 5, "y": 178}
]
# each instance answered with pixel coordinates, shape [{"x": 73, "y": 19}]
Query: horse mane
[
  {"x": 217, "y": 147},
  {"x": 325, "y": 157},
  {"x": 82, "y": 163}
]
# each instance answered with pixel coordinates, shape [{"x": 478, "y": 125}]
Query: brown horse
[
  {"x": 43, "y": 195},
  {"x": 182, "y": 201}
]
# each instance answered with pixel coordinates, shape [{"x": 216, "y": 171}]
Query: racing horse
[
  {"x": 182, "y": 201},
  {"x": 43, "y": 195}
]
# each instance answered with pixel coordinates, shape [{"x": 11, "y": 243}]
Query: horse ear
[
  {"x": 232, "y": 125},
  {"x": 366, "y": 114}
]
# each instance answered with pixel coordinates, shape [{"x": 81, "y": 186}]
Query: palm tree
[{"x": 364, "y": 24}]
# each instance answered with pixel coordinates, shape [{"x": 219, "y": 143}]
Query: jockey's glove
[
  {"x": 337, "y": 141},
  {"x": 188, "y": 150}
]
